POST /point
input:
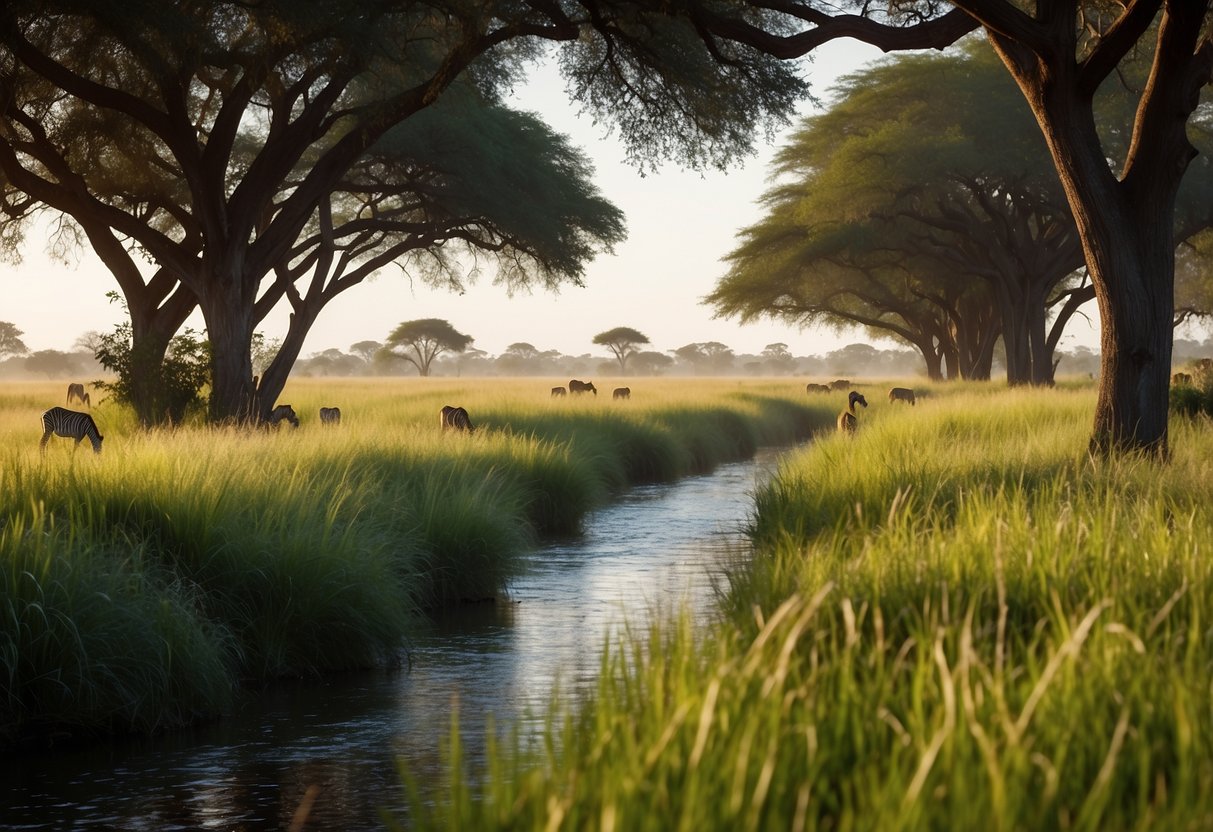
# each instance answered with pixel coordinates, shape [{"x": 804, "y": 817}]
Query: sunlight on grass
[
  {"x": 286, "y": 552},
  {"x": 954, "y": 620}
]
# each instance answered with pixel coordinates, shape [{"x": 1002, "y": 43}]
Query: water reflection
[{"x": 655, "y": 548}]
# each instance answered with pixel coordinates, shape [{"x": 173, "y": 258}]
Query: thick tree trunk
[
  {"x": 275, "y": 375},
  {"x": 152, "y": 329},
  {"x": 229, "y": 325}
]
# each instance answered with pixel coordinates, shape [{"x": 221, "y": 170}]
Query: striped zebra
[
  {"x": 283, "y": 412},
  {"x": 455, "y": 417},
  {"x": 76, "y": 391},
  {"x": 330, "y": 415},
  {"x": 69, "y": 424}
]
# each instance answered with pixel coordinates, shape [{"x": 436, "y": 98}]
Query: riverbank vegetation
[
  {"x": 142, "y": 588},
  {"x": 951, "y": 621}
]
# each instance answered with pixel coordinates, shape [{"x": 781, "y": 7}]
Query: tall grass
[
  {"x": 252, "y": 555},
  {"x": 953, "y": 620}
]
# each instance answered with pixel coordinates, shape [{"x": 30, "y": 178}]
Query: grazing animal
[
  {"x": 76, "y": 391},
  {"x": 846, "y": 419},
  {"x": 840, "y": 384},
  {"x": 576, "y": 386},
  {"x": 1184, "y": 379},
  {"x": 283, "y": 412},
  {"x": 622, "y": 393},
  {"x": 901, "y": 394},
  {"x": 558, "y": 391},
  {"x": 817, "y": 388},
  {"x": 457, "y": 418},
  {"x": 330, "y": 415},
  {"x": 70, "y": 424}
]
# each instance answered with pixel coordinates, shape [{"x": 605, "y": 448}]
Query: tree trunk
[
  {"x": 152, "y": 329},
  {"x": 229, "y": 325},
  {"x": 275, "y": 375}
]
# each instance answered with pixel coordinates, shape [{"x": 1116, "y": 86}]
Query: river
[{"x": 331, "y": 745}]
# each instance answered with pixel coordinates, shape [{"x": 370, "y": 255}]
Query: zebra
[
  {"x": 70, "y": 424},
  {"x": 901, "y": 394},
  {"x": 283, "y": 412},
  {"x": 558, "y": 391},
  {"x": 622, "y": 393},
  {"x": 455, "y": 417},
  {"x": 576, "y": 386},
  {"x": 76, "y": 391},
  {"x": 330, "y": 415}
]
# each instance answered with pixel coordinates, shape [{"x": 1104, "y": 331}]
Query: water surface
[{"x": 331, "y": 745}]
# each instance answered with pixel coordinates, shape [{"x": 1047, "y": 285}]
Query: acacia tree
[
  {"x": 208, "y": 136},
  {"x": 420, "y": 342},
  {"x": 1059, "y": 53},
  {"x": 623, "y": 341},
  {"x": 10, "y": 340}
]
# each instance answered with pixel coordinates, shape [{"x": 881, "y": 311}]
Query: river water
[{"x": 331, "y": 746}]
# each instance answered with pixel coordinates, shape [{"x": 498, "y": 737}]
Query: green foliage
[
  {"x": 162, "y": 386},
  {"x": 419, "y": 342}
]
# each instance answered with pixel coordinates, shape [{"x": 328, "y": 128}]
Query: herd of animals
[{"x": 77, "y": 425}]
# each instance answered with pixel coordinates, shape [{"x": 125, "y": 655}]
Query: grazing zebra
[
  {"x": 576, "y": 386},
  {"x": 283, "y": 412},
  {"x": 901, "y": 394},
  {"x": 558, "y": 391},
  {"x": 846, "y": 419},
  {"x": 76, "y": 391},
  {"x": 70, "y": 424},
  {"x": 455, "y": 417},
  {"x": 816, "y": 388},
  {"x": 622, "y": 393},
  {"x": 330, "y": 415}
]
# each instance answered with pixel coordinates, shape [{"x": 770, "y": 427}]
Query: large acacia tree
[
  {"x": 1059, "y": 52},
  {"x": 209, "y": 138}
]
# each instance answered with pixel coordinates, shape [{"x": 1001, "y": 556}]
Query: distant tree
[
  {"x": 420, "y": 342},
  {"x": 623, "y": 342},
  {"x": 706, "y": 356},
  {"x": 366, "y": 350},
  {"x": 52, "y": 363},
  {"x": 778, "y": 358},
  {"x": 1194, "y": 278},
  {"x": 88, "y": 342},
  {"x": 10, "y": 340},
  {"x": 650, "y": 362}
]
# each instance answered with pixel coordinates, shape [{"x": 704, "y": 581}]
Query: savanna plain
[{"x": 954, "y": 619}]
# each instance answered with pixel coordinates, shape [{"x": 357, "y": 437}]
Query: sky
[{"x": 680, "y": 224}]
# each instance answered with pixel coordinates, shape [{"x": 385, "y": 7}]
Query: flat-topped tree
[
  {"x": 623, "y": 342},
  {"x": 208, "y": 138},
  {"x": 420, "y": 342}
]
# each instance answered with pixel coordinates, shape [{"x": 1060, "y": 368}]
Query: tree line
[{"x": 257, "y": 154}]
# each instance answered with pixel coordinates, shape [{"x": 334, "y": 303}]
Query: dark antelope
[
  {"x": 76, "y": 391},
  {"x": 558, "y": 391},
  {"x": 622, "y": 393},
  {"x": 846, "y": 419},
  {"x": 330, "y": 415},
  {"x": 901, "y": 394},
  {"x": 576, "y": 386}
]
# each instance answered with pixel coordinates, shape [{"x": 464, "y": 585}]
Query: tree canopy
[
  {"x": 419, "y": 342},
  {"x": 623, "y": 342},
  {"x": 10, "y": 340}
]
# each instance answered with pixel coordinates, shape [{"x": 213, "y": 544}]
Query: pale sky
[{"x": 680, "y": 225}]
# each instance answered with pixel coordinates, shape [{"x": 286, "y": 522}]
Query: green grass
[
  {"x": 953, "y": 620},
  {"x": 261, "y": 554}
]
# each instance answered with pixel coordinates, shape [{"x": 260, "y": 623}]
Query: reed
[
  {"x": 953, "y": 620},
  {"x": 295, "y": 552}
]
